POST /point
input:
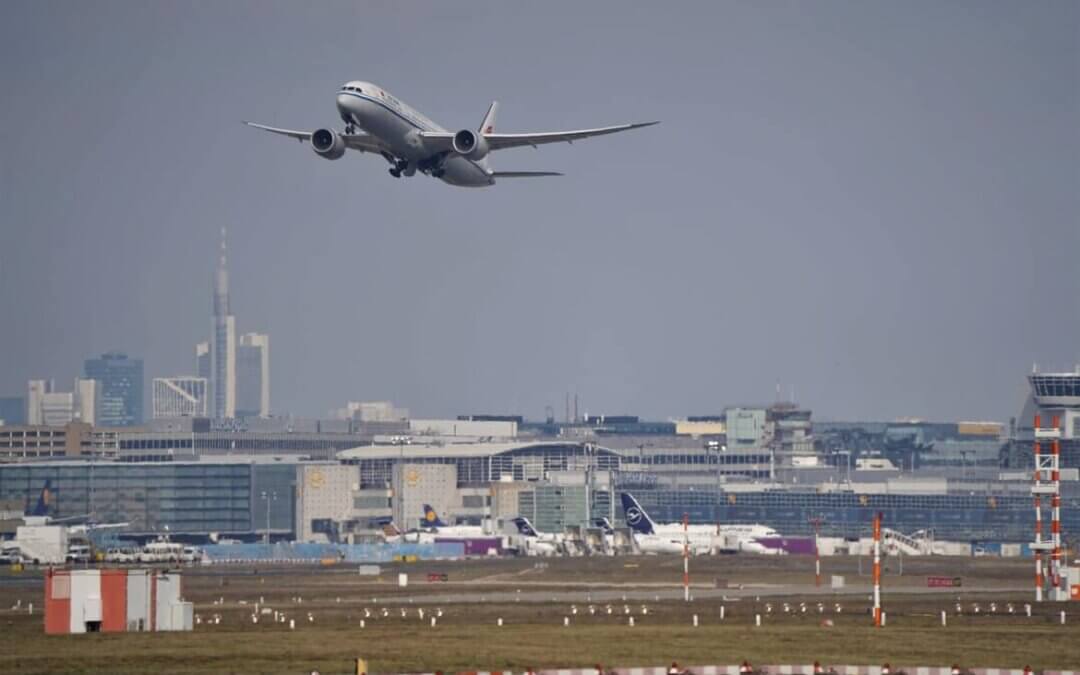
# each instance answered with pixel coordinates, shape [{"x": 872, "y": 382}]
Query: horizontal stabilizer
[{"x": 523, "y": 174}]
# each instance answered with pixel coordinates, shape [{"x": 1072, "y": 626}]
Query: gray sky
[{"x": 875, "y": 202}]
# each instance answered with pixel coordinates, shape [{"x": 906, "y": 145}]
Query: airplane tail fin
[
  {"x": 636, "y": 517},
  {"x": 488, "y": 125},
  {"x": 524, "y": 526},
  {"x": 44, "y": 500},
  {"x": 390, "y": 530},
  {"x": 431, "y": 519},
  {"x": 604, "y": 524}
]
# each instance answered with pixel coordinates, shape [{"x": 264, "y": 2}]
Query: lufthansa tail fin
[
  {"x": 604, "y": 524},
  {"x": 636, "y": 517},
  {"x": 488, "y": 125},
  {"x": 44, "y": 500},
  {"x": 525, "y": 527},
  {"x": 431, "y": 519}
]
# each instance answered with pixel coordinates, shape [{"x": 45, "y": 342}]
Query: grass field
[{"x": 467, "y": 638}]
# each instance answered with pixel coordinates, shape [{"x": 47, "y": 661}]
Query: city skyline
[{"x": 890, "y": 229}]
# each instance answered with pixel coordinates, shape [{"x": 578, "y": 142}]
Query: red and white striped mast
[
  {"x": 877, "y": 570},
  {"x": 1055, "y": 509},
  {"x": 1036, "y": 490},
  {"x": 686, "y": 557},
  {"x": 1047, "y": 481}
]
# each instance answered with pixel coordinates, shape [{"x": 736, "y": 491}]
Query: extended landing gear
[
  {"x": 403, "y": 166},
  {"x": 350, "y": 129}
]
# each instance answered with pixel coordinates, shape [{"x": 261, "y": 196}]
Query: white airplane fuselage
[{"x": 398, "y": 125}]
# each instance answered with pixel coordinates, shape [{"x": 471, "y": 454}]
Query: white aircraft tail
[{"x": 488, "y": 125}]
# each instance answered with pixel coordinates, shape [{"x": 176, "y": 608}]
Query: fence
[{"x": 314, "y": 553}]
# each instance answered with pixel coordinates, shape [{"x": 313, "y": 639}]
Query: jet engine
[
  {"x": 327, "y": 143},
  {"x": 470, "y": 144}
]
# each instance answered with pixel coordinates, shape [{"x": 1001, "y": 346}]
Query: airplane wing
[
  {"x": 504, "y": 141},
  {"x": 359, "y": 142},
  {"x": 523, "y": 174}
]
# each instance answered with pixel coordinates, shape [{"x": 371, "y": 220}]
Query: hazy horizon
[{"x": 873, "y": 203}]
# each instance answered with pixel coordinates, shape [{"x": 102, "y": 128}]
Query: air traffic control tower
[{"x": 1054, "y": 395}]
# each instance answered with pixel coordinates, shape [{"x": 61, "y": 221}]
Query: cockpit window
[{"x": 356, "y": 89}]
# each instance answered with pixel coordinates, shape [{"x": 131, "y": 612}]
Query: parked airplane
[
  {"x": 39, "y": 516},
  {"x": 665, "y": 538},
  {"x": 433, "y": 523},
  {"x": 412, "y": 142},
  {"x": 539, "y": 543},
  {"x": 392, "y": 535}
]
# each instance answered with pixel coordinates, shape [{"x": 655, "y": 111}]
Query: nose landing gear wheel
[{"x": 395, "y": 172}]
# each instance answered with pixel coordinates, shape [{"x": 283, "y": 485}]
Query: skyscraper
[
  {"x": 13, "y": 410},
  {"x": 35, "y": 397},
  {"x": 253, "y": 376},
  {"x": 54, "y": 408},
  {"x": 222, "y": 344},
  {"x": 202, "y": 360},
  {"x": 119, "y": 390}
]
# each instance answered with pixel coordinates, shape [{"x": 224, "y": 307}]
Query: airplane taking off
[{"x": 412, "y": 142}]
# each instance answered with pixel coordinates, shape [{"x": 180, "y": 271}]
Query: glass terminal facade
[{"x": 158, "y": 498}]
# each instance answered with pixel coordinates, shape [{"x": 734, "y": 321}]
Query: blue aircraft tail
[
  {"x": 604, "y": 524},
  {"x": 431, "y": 519},
  {"x": 525, "y": 527},
  {"x": 44, "y": 500},
  {"x": 636, "y": 517}
]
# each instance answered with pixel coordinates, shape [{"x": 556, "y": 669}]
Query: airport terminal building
[{"x": 962, "y": 481}]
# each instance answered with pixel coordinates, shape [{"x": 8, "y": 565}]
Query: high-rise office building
[
  {"x": 253, "y": 376},
  {"x": 88, "y": 401},
  {"x": 119, "y": 390},
  {"x": 180, "y": 397},
  {"x": 202, "y": 360},
  {"x": 57, "y": 408},
  {"x": 222, "y": 344},
  {"x": 35, "y": 396},
  {"x": 12, "y": 410}
]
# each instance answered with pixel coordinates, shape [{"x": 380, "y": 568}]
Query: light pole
[
  {"x": 816, "y": 521},
  {"x": 267, "y": 496}
]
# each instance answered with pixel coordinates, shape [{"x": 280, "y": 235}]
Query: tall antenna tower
[{"x": 1047, "y": 482}]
